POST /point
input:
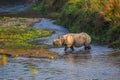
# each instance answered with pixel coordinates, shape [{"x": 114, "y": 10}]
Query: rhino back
[{"x": 78, "y": 40}]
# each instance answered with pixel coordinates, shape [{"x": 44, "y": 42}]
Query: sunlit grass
[
  {"x": 16, "y": 37},
  {"x": 15, "y": 34}
]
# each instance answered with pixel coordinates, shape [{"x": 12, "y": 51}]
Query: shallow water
[
  {"x": 13, "y": 7},
  {"x": 10, "y": 9},
  {"x": 94, "y": 64}
]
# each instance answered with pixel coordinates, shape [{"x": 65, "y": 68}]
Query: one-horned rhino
[{"x": 72, "y": 40}]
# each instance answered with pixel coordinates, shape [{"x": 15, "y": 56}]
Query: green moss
[{"x": 15, "y": 37}]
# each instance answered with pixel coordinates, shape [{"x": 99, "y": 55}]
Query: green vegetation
[
  {"x": 15, "y": 37},
  {"x": 99, "y": 18},
  {"x": 49, "y": 8},
  {"x": 40, "y": 7},
  {"x": 15, "y": 32}
]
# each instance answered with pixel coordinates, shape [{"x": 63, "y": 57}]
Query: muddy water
[{"x": 94, "y": 64}]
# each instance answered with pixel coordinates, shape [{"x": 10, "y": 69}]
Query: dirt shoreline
[{"x": 34, "y": 53}]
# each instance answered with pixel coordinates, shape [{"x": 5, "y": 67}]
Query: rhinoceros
[{"x": 72, "y": 40}]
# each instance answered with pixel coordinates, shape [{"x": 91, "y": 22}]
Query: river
[{"x": 94, "y": 64}]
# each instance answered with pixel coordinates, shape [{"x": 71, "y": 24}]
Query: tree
[{"x": 111, "y": 11}]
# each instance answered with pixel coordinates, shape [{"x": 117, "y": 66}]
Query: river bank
[{"x": 15, "y": 32}]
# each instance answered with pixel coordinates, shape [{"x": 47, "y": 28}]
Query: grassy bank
[
  {"x": 17, "y": 37},
  {"x": 14, "y": 34},
  {"x": 36, "y": 53}
]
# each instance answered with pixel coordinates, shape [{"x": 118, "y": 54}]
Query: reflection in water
[
  {"x": 34, "y": 72},
  {"x": 3, "y": 60},
  {"x": 73, "y": 57},
  {"x": 70, "y": 59}
]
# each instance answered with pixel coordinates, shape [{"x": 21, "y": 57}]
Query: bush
[
  {"x": 40, "y": 7},
  {"x": 114, "y": 37}
]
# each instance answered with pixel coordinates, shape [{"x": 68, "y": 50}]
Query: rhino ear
[{"x": 59, "y": 36}]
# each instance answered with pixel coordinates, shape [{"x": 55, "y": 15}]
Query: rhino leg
[
  {"x": 65, "y": 48},
  {"x": 72, "y": 48},
  {"x": 87, "y": 47}
]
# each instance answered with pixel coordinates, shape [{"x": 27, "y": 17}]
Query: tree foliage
[{"x": 112, "y": 12}]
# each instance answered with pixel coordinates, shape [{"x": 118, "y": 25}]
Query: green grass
[{"x": 16, "y": 37}]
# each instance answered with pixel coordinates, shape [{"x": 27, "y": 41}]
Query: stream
[{"x": 94, "y": 64}]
